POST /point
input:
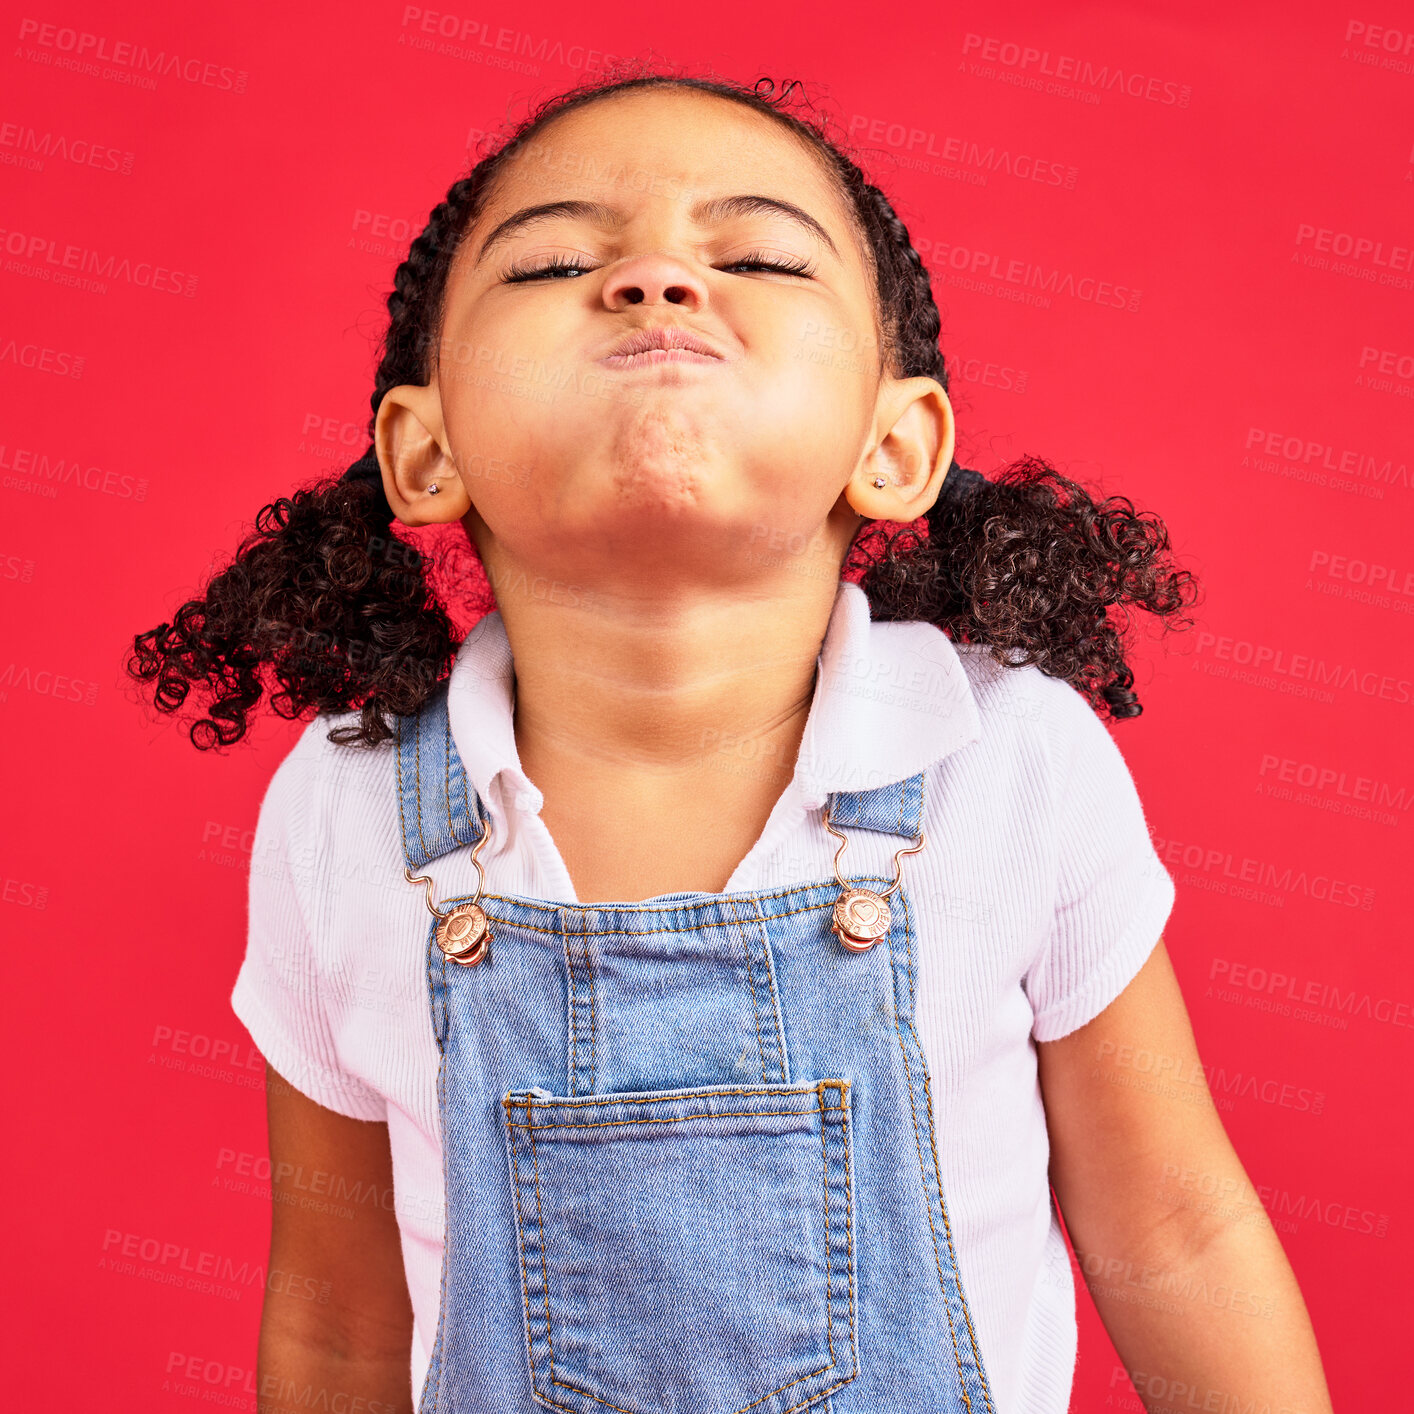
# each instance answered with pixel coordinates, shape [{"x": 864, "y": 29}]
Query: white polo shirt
[{"x": 1038, "y": 896}]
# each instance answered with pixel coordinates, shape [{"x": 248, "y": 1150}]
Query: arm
[
  {"x": 1120, "y": 1133},
  {"x": 337, "y": 1321}
]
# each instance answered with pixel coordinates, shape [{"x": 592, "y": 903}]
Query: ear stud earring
[
  {"x": 879, "y": 481},
  {"x": 433, "y": 489}
]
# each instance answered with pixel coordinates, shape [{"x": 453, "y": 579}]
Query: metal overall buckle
[
  {"x": 464, "y": 932},
  {"x": 861, "y": 917}
]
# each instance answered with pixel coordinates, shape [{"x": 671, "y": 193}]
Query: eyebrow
[{"x": 716, "y": 208}]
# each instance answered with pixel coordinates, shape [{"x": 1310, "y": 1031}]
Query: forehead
[{"x": 670, "y": 143}]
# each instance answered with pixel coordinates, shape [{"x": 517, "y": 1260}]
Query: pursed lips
[
  {"x": 650, "y": 357},
  {"x": 668, "y": 344}
]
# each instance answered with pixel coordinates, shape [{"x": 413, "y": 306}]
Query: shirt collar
[{"x": 890, "y": 699}]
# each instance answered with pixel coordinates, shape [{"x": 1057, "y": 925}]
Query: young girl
[{"x": 683, "y": 994}]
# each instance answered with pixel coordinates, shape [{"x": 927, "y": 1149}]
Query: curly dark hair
[{"x": 341, "y": 612}]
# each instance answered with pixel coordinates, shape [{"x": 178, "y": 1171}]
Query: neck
[{"x": 655, "y": 697}]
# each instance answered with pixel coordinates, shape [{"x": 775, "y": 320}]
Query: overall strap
[
  {"x": 893, "y": 809},
  {"x": 438, "y": 811},
  {"x": 435, "y": 800}
]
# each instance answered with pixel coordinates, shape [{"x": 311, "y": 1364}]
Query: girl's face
[{"x": 727, "y": 468}]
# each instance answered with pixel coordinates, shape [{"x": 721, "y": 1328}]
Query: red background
[{"x": 144, "y": 427}]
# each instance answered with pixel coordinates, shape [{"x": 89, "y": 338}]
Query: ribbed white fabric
[{"x": 1038, "y": 896}]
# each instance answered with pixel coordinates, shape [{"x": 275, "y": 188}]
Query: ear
[
  {"x": 915, "y": 437},
  {"x": 412, "y": 449}
]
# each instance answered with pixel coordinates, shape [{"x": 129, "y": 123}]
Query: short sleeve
[
  {"x": 281, "y": 993},
  {"x": 1113, "y": 893}
]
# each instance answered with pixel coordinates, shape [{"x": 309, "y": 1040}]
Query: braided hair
[{"x": 339, "y": 611}]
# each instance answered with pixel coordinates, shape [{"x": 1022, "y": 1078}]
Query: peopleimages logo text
[
  {"x": 121, "y": 54},
  {"x": 1304, "y": 666},
  {"x": 1107, "y": 78}
]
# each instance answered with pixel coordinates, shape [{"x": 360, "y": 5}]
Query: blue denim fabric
[{"x": 689, "y": 1152}]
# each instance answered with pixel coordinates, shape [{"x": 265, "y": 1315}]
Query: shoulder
[
  {"x": 314, "y": 757},
  {"x": 329, "y": 824},
  {"x": 1072, "y": 776},
  {"x": 1020, "y": 702},
  {"x": 318, "y": 780},
  {"x": 1042, "y": 755}
]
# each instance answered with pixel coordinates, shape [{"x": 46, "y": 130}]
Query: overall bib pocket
[{"x": 686, "y": 1251}]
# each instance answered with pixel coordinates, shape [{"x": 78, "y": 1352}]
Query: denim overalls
[{"x": 688, "y": 1145}]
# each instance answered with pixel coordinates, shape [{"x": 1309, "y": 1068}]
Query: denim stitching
[
  {"x": 593, "y": 1020},
  {"x": 922, "y": 1174},
  {"x": 434, "y": 1375},
  {"x": 540, "y": 1228},
  {"x": 586, "y": 1394},
  {"x": 402, "y": 814},
  {"x": 442, "y": 962},
  {"x": 573, "y": 1016},
  {"x": 751, "y": 982},
  {"x": 777, "y": 1016},
  {"x": 417, "y": 785},
  {"x": 942, "y": 1201},
  {"x": 848, "y": 1210},
  {"x": 849, "y": 1232},
  {"x": 952, "y": 1255},
  {"x": 435, "y": 1358},
  {"x": 447, "y": 772},
  {"x": 726, "y": 923},
  {"x": 692, "y": 1095},
  {"x": 484, "y": 898},
  {"x": 947, "y": 1305},
  {"x": 439, "y": 1020},
  {"x": 520, "y": 1245},
  {"x": 813, "y": 1397},
  {"x": 675, "y": 1119},
  {"x": 564, "y": 1384},
  {"x": 907, "y": 790},
  {"x": 447, "y": 749},
  {"x": 540, "y": 1225},
  {"x": 829, "y": 1263},
  {"x": 554, "y": 908},
  {"x": 427, "y": 852},
  {"x": 576, "y": 1010}
]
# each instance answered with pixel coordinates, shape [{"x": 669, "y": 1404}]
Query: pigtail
[
  {"x": 1033, "y": 566},
  {"x": 325, "y": 602}
]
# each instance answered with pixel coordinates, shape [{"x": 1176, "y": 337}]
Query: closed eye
[
  {"x": 797, "y": 265},
  {"x": 558, "y": 265}
]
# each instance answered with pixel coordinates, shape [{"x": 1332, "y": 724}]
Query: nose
[{"x": 652, "y": 278}]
